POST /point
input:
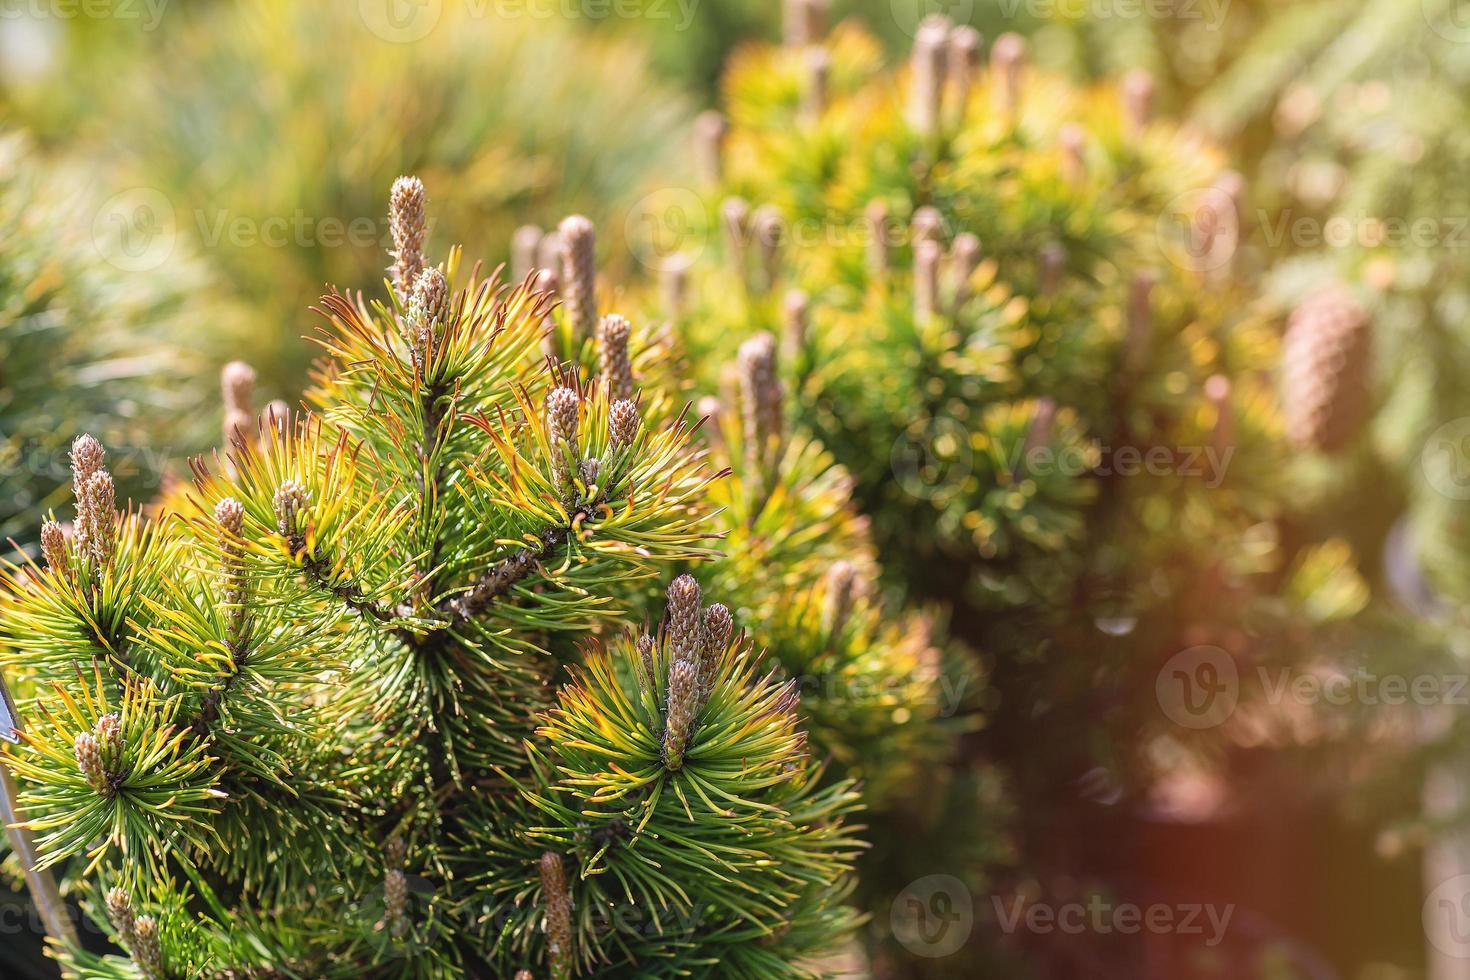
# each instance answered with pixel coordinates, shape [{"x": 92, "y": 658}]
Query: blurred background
[{"x": 180, "y": 180}]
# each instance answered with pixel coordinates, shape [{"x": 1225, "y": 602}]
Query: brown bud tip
[
  {"x": 579, "y": 273},
  {"x": 523, "y": 244},
  {"x": 682, "y": 627},
  {"x": 237, "y": 382},
  {"x": 613, "y": 332},
  {"x": 395, "y": 852},
  {"x": 561, "y": 414},
  {"x": 53, "y": 546},
  {"x": 407, "y": 224},
  {"x": 718, "y": 626},
  {"x": 89, "y": 761},
  {"x": 709, "y": 144},
  {"x": 87, "y": 455},
  {"x": 679, "y": 718},
  {"x": 430, "y": 300},
  {"x": 120, "y": 914},
  {"x": 623, "y": 423},
  {"x": 147, "y": 953},
  {"x": 1326, "y": 360},
  {"x": 588, "y": 470},
  {"x": 230, "y": 514}
]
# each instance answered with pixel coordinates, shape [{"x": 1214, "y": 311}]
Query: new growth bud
[
  {"x": 709, "y": 145},
  {"x": 927, "y": 256},
  {"x": 612, "y": 354},
  {"x": 683, "y": 690},
  {"x": 96, "y": 501},
  {"x": 760, "y": 400},
  {"x": 561, "y": 434},
  {"x": 818, "y": 81},
  {"x": 556, "y": 901},
  {"x": 523, "y": 244},
  {"x": 407, "y": 224},
  {"x": 876, "y": 216},
  {"x": 770, "y": 232},
  {"x": 964, "y": 259},
  {"x": 53, "y": 548},
  {"x": 683, "y": 631},
  {"x": 147, "y": 952},
  {"x": 718, "y": 626},
  {"x": 796, "y": 312},
  {"x": 926, "y": 80},
  {"x": 89, "y": 761},
  {"x": 735, "y": 217},
  {"x": 120, "y": 914},
  {"x": 1007, "y": 57},
  {"x": 229, "y": 513},
  {"x": 673, "y": 281},
  {"x": 840, "y": 581},
  {"x": 395, "y": 903},
  {"x": 963, "y": 64},
  {"x": 579, "y": 274},
  {"x": 622, "y": 423},
  {"x": 289, "y": 502},
  {"x": 110, "y": 742}
]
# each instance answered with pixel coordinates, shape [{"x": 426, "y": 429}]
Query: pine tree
[
  {"x": 312, "y": 720},
  {"x": 1056, "y": 407}
]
